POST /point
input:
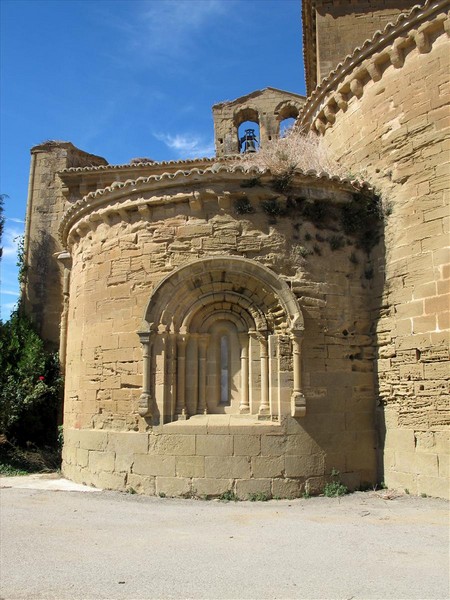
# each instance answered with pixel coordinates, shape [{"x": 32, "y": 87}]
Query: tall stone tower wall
[
  {"x": 42, "y": 292},
  {"x": 387, "y": 118},
  {"x": 334, "y": 28}
]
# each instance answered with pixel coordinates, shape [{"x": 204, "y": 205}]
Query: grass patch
[
  {"x": 228, "y": 496},
  {"x": 259, "y": 497},
  {"x": 335, "y": 488}
]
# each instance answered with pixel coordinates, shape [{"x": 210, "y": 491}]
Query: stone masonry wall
[
  {"x": 120, "y": 255},
  {"x": 395, "y": 130},
  {"x": 344, "y": 25},
  {"x": 42, "y": 296}
]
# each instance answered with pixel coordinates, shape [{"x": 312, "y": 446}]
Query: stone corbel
[{"x": 298, "y": 401}]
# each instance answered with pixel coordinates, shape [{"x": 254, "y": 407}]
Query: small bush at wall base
[
  {"x": 335, "y": 488},
  {"x": 228, "y": 496},
  {"x": 258, "y": 497}
]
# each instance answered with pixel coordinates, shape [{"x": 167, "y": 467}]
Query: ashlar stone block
[
  {"x": 245, "y": 487},
  {"x": 214, "y": 445},
  {"x": 156, "y": 465},
  {"x": 236, "y": 467}
]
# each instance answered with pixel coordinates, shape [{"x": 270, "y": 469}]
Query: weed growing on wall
[{"x": 292, "y": 151}]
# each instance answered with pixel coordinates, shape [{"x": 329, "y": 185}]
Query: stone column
[
  {"x": 66, "y": 260},
  {"x": 244, "y": 406},
  {"x": 181, "y": 377},
  {"x": 172, "y": 373},
  {"x": 202, "y": 408},
  {"x": 145, "y": 399},
  {"x": 264, "y": 408},
  {"x": 298, "y": 402}
]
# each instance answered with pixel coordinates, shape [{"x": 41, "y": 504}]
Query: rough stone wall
[
  {"x": 395, "y": 130},
  {"x": 118, "y": 258},
  {"x": 42, "y": 294}
]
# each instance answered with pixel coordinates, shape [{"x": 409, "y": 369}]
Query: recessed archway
[{"x": 216, "y": 320}]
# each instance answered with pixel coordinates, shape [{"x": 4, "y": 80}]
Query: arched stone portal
[{"x": 221, "y": 335}]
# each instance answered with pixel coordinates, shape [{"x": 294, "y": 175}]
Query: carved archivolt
[{"x": 222, "y": 335}]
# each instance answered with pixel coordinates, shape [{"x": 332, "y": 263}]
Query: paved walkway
[{"x": 64, "y": 545}]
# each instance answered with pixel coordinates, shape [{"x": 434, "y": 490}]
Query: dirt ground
[{"x": 58, "y": 542}]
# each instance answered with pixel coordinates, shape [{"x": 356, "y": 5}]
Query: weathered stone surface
[{"x": 155, "y": 257}]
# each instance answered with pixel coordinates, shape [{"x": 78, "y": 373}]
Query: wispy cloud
[
  {"x": 172, "y": 23},
  {"x": 10, "y": 241},
  {"x": 186, "y": 145},
  {"x": 14, "y": 220},
  {"x": 10, "y": 293},
  {"x": 167, "y": 29}
]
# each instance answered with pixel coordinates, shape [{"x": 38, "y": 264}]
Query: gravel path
[{"x": 106, "y": 545}]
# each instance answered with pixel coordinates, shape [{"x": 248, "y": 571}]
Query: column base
[
  {"x": 264, "y": 414},
  {"x": 144, "y": 405},
  {"x": 298, "y": 405}
]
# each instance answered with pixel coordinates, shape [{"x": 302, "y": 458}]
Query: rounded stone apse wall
[
  {"x": 218, "y": 334},
  {"x": 384, "y": 114}
]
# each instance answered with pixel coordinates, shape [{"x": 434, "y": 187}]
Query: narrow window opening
[{"x": 224, "y": 370}]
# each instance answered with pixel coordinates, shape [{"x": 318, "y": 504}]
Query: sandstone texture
[{"x": 227, "y": 331}]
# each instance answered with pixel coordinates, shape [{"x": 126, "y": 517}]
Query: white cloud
[
  {"x": 10, "y": 293},
  {"x": 186, "y": 145},
  {"x": 13, "y": 220},
  {"x": 169, "y": 28},
  {"x": 10, "y": 241}
]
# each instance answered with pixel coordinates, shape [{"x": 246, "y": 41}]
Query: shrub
[
  {"x": 335, "y": 488},
  {"x": 228, "y": 496},
  {"x": 30, "y": 384},
  {"x": 294, "y": 150},
  {"x": 242, "y": 206}
]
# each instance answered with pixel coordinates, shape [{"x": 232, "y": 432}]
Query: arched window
[
  {"x": 246, "y": 121},
  {"x": 285, "y": 125},
  {"x": 287, "y": 114},
  {"x": 248, "y": 134},
  {"x": 230, "y": 344}
]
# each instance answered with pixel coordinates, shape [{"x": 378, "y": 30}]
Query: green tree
[{"x": 30, "y": 384}]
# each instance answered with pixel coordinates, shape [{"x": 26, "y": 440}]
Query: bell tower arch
[{"x": 264, "y": 108}]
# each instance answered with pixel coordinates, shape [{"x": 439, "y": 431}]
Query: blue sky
[{"x": 129, "y": 78}]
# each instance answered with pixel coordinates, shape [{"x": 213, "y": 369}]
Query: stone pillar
[
  {"x": 264, "y": 408},
  {"x": 172, "y": 373},
  {"x": 202, "y": 408},
  {"x": 145, "y": 399},
  {"x": 244, "y": 406},
  {"x": 181, "y": 377},
  {"x": 298, "y": 402},
  {"x": 66, "y": 260}
]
